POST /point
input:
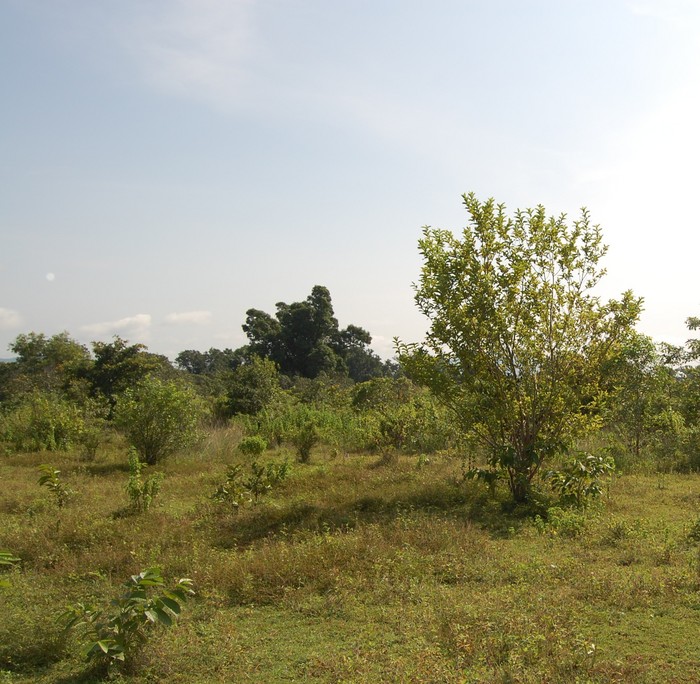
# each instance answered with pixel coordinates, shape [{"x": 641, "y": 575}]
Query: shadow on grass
[
  {"x": 125, "y": 512},
  {"x": 41, "y": 651},
  {"x": 106, "y": 468},
  {"x": 466, "y": 502}
]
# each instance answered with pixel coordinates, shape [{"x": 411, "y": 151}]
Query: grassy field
[{"x": 354, "y": 570}]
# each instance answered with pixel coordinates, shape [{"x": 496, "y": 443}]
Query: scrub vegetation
[{"x": 515, "y": 500}]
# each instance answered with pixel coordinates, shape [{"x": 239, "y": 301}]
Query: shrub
[
  {"x": 264, "y": 477},
  {"x": 489, "y": 477},
  {"x": 42, "y": 421},
  {"x": 113, "y": 635},
  {"x": 406, "y": 417},
  {"x": 95, "y": 415},
  {"x": 252, "y": 446},
  {"x": 141, "y": 492},
  {"x": 694, "y": 533},
  {"x": 252, "y": 386},
  {"x": 339, "y": 426},
  {"x": 231, "y": 491},
  {"x": 304, "y": 439},
  {"x": 564, "y": 522},
  {"x": 581, "y": 480},
  {"x": 159, "y": 417}
]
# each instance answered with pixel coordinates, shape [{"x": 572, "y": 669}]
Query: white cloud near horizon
[
  {"x": 9, "y": 319},
  {"x": 137, "y": 326},
  {"x": 384, "y": 346},
  {"x": 189, "y": 317}
]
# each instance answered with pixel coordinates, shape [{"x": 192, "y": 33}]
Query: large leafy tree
[
  {"x": 309, "y": 335},
  {"x": 119, "y": 365},
  {"x": 686, "y": 393},
  {"x": 641, "y": 391},
  {"x": 212, "y": 362},
  {"x": 517, "y": 340},
  {"x": 303, "y": 338},
  {"x": 49, "y": 364},
  {"x": 252, "y": 386}
]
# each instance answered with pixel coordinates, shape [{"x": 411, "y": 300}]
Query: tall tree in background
[
  {"x": 641, "y": 389},
  {"x": 119, "y": 365},
  {"x": 49, "y": 364},
  {"x": 309, "y": 335},
  {"x": 303, "y": 338},
  {"x": 517, "y": 341},
  {"x": 210, "y": 362}
]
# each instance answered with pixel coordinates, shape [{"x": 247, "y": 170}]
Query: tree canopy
[
  {"x": 119, "y": 365},
  {"x": 517, "y": 339},
  {"x": 303, "y": 339},
  {"x": 45, "y": 363}
]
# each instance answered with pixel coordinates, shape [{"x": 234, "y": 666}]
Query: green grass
[{"x": 350, "y": 571}]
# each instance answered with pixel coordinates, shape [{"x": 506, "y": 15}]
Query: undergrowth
[{"x": 354, "y": 569}]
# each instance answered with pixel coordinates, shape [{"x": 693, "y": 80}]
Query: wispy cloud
[
  {"x": 189, "y": 317},
  {"x": 137, "y": 325},
  {"x": 218, "y": 52},
  {"x": 9, "y": 319},
  {"x": 196, "y": 48}
]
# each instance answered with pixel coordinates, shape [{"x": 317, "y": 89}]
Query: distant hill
[{"x": 7, "y": 360}]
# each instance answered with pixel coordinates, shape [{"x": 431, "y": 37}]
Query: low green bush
[
  {"x": 254, "y": 445},
  {"x": 159, "y": 417},
  {"x": 113, "y": 635},
  {"x": 42, "y": 422},
  {"x": 236, "y": 488},
  {"x": 581, "y": 479}
]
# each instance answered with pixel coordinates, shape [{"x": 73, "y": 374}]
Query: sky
[{"x": 166, "y": 165}]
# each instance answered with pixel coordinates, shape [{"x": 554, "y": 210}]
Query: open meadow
[
  {"x": 477, "y": 462},
  {"x": 353, "y": 568}
]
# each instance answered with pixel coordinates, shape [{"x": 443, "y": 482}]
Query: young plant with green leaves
[
  {"x": 582, "y": 479},
  {"x": 7, "y": 559},
  {"x": 517, "y": 340},
  {"x": 231, "y": 491},
  {"x": 305, "y": 439},
  {"x": 49, "y": 479},
  {"x": 141, "y": 492},
  {"x": 640, "y": 407},
  {"x": 113, "y": 635},
  {"x": 42, "y": 421},
  {"x": 236, "y": 489},
  {"x": 263, "y": 478}
]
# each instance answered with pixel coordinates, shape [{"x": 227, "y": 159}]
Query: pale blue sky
[{"x": 167, "y": 164}]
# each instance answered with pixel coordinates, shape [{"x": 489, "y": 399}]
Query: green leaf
[
  {"x": 103, "y": 645},
  {"x": 6, "y": 558},
  {"x": 171, "y": 604},
  {"x": 163, "y": 617}
]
